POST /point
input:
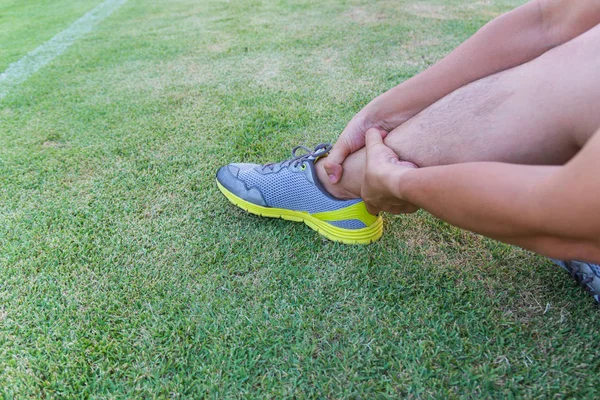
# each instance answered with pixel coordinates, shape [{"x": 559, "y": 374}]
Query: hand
[
  {"x": 382, "y": 172},
  {"x": 352, "y": 139}
]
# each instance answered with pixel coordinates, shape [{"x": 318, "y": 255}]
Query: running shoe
[{"x": 291, "y": 190}]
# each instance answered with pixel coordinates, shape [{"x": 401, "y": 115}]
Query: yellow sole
[{"x": 347, "y": 236}]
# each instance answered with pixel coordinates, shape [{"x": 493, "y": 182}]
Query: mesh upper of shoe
[
  {"x": 349, "y": 224},
  {"x": 290, "y": 190}
]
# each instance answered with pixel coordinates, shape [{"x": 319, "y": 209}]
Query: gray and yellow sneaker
[
  {"x": 291, "y": 190},
  {"x": 587, "y": 275}
]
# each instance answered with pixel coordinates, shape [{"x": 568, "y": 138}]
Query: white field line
[{"x": 19, "y": 71}]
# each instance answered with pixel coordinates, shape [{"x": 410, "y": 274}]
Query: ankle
[{"x": 336, "y": 190}]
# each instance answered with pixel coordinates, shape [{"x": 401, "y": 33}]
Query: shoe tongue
[
  {"x": 320, "y": 153},
  {"x": 310, "y": 172}
]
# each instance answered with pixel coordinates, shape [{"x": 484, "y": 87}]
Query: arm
[
  {"x": 554, "y": 211},
  {"x": 509, "y": 40}
]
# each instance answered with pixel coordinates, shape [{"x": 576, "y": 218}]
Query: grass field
[{"x": 124, "y": 272}]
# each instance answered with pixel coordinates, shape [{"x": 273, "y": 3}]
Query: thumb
[
  {"x": 377, "y": 151},
  {"x": 333, "y": 162},
  {"x": 373, "y": 138},
  {"x": 372, "y": 209}
]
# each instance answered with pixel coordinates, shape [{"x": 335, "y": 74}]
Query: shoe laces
[{"x": 297, "y": 159}]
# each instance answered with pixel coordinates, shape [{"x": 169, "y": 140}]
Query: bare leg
[{"x": 539, "y": 113}]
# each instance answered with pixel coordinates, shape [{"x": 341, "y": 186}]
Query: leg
[{"x": 539, "y": 113}]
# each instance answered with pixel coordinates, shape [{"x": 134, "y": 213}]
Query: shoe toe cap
[{"x": 227, "y": 176}]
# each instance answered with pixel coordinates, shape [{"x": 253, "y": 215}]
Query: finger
[
  {"x": 404, "y": 209},
  {"x": 333, "y": 169},
  {"x": 377, "y": 151},
  {"x": 333, "y": 163},
  {"x": 410, "y": 209},
  {"x": 372, "y": 209},
  {"x": 395, "y": 210},
  {"x": 373, "y": 138},
  {"x": 407, "y": 164}
]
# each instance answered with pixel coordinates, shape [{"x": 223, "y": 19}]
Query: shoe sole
[{"x": 347, "y": 236}]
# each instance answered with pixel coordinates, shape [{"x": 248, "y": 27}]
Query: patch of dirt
[
  {"x": 442, "y": 245},
  {"x": 481, "y": 8},
  {"x": 52, "y": 144},
  {"x": 362, "y": 15},
  {"x": 425, "y": 10},
  {"x": 218, "y": 47},
  {"x": 412, "y": 41}
]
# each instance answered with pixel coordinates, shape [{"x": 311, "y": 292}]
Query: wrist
[
  {"x": 403, "y": 183},
  {"x": 386, "y": 112}
]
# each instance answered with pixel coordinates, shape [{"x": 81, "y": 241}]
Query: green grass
[
  {"x": 25, "y": 24},
  {"x": 124, "y": 272}
]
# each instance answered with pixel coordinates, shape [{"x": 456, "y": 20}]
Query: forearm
[
  {"x": 515, "y": 204},
  {"x": 507, "y": 41}
]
